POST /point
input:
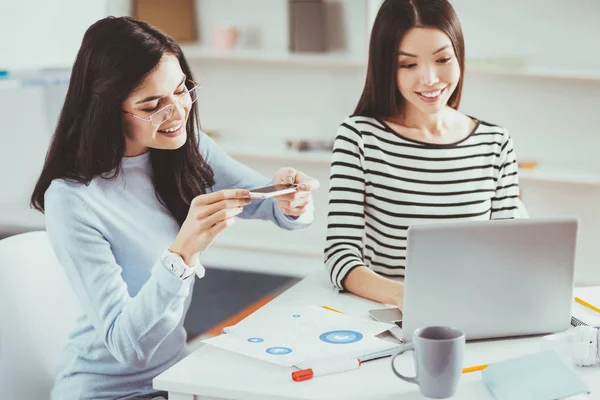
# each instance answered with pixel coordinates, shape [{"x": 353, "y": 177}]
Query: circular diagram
[
  {"x": 279, "y": 351},
  {"x": 341, "y": 337}
]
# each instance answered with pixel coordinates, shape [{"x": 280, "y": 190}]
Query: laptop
[{"x": 491, "y": 279}]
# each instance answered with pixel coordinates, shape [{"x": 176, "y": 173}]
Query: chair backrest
[{"x": 38, "y": 309}]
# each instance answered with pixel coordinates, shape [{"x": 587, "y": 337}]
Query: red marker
[
  {"x": 331, "y": 366},
  {"x": 320, "y": 368}
]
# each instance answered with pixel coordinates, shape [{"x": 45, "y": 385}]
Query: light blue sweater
[{"x": 109, "y": 236}]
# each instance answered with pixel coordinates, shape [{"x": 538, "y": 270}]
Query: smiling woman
[
  {"x": 433, "y": 75},
  {"x": 408, "y": 156},
  {"x": 167, "y": 122},
  {"x": 133, "y": 192}
]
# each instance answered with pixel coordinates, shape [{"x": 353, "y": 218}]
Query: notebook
[
  {"x": 538, "y": 376},
  {"x": 582, "y": 315}
]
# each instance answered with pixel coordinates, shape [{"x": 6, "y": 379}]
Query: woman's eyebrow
[
  {"x": 403, "y": 53},
  {"x": 150, "y": 98},
  {"x": 441, "y": 49}
]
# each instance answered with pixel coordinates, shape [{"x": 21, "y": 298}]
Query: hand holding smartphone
[
  {"x": 272, "y": 191},
  {"x": 209, "y": 214}
]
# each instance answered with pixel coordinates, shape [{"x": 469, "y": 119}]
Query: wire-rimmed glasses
[{"x": 186, "y": 99}]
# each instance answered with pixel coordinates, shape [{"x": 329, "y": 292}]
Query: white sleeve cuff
[
  {"x": 288, "y": 222},
  {"x": 199, "y": 270},
  {"x": 171, "y": 283}
]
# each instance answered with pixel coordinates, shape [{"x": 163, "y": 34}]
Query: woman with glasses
[{"x": 133, "y": 192}]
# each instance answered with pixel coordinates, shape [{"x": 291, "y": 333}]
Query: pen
[
  {"x": 325, "y": 367},
  {"x": 392, "y": 351},
  {"x": 332, "y": 309},
  {"x": 585, "y": 303},
  {"x": 474, "y": 368}
]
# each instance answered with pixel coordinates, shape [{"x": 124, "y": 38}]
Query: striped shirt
[{"x": 381, "y": 183}]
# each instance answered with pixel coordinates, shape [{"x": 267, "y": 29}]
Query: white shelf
[
  {"x": 274, "y": 260},
  {"x": 38, "y": 78},
  {"x": 195, "y": 53},
  {"x": 532, "y": 71},
  {"x": 337, "y": 60},
  {"x": 552, "y": 173},
  {"x": 557, "y": 174},
  {"x": 341, "y": 60},
  {"x": 8, "y": 84},
  {"x": 316, "y": 157}
]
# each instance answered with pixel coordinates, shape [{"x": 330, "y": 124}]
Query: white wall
[
  {"x": 553, "y": 121},
  {"x": 44, "y": 33},
  {"x": 546, "y": 32}
]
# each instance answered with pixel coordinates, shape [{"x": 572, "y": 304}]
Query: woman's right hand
[{"x": 209, "y": 215}]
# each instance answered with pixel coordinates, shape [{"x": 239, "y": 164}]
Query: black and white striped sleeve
[
  {"x": 506, "y": 203},
  {"x": 346, "y": 218}
]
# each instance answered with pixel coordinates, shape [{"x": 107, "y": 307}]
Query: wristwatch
[{"x": 175, "y": 264}]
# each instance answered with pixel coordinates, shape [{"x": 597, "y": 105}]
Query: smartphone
[
  {"x": 391, "y": 315},
  {"x": 272, "y": 191}
]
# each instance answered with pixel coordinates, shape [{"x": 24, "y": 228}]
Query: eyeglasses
[{"x": 186, "y": 99}]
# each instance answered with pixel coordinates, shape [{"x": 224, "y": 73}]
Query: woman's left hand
[{"x": 294, "y": 204}]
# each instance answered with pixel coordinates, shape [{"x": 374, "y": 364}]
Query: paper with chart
[{"x": 293, "y": 335}]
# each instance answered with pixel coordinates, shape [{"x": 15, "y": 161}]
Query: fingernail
[
  {"x": 245, "y": 193},
  {"x": 302, "y": 187},
  {"x": 248, "y": 201},
  {"x": 289, "y": 180}
]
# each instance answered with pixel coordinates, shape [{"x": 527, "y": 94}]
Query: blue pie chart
[
  {"x": 279, "y": 351},
  {"x": 341, "y": 337}
]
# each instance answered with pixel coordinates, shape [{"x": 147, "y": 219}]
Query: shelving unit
[
  {"x": 40, "y": 77},
  {"x": 533, "y": 71},
  {"x": 9, "y": 84},
  {"x": 543, "y": 173},
  {"x": 322, "y": 158},
  {"x": 554, "y": 174},
  {"x": 197, "y": 53},
  {"x": 231, "y": 257}
]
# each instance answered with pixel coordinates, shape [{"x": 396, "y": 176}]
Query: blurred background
[{"x": 279, "y": 76}]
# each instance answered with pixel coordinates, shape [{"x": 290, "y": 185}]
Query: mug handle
[{"x": 409, "y": 379}]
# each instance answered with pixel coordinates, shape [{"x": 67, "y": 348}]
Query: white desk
[{"x": 212, "y": 373}]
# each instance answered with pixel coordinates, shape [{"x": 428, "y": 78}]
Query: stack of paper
[{"x": 294, "y": 335}]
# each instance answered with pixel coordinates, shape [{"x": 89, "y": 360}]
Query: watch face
[
  {"x": 174, "y": 262},
  {"x": 171, "y": 258}
]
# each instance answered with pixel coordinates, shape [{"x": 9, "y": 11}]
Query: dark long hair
[
  {"x": 116, "y": 55},
  {"x": 380, "y": 96}
]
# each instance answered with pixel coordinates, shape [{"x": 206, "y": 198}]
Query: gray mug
[{"x": 438, "y": 356}]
